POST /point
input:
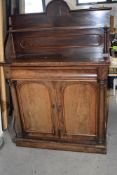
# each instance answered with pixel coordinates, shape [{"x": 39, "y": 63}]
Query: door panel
[
  {"x": 80, "y": 109},
  {"x": 35, "y": 106}
]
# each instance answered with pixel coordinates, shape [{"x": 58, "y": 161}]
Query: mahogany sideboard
[{"x": 57, "y": 68}]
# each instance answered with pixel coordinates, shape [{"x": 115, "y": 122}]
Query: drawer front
[{"x": 50, "y": 73}]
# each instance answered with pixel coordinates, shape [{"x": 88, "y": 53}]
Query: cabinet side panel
[
  {"x": 35, "y": 107},
  {"x": 80, "y": 109}
]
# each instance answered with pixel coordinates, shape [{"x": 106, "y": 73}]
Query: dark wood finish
[
  {"x": 61, "y": 146},
  {"x": 58, "y": 69}
]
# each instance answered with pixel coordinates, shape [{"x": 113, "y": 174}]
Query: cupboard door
[
  {"x": 35, "y": 103},
  {"x": 79, "y": 115}
]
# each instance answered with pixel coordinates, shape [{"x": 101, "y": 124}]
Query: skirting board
[{"x": 61, "y": 146}]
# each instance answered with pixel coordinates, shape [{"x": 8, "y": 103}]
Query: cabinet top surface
[{"x": 58, "y": 60}]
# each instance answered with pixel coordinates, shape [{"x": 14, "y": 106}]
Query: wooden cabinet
[
  {"x": 58, "y": 70},
  {"x": 58, "y": 105},
  {"x": 64, "y": 108}
]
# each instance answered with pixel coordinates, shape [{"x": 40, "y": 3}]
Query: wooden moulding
[
  {"x": 61, "y": 146},
  {"x": 2, "y": 78}
]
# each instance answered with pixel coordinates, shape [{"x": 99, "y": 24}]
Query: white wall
[{"x": 72, "y": 4}]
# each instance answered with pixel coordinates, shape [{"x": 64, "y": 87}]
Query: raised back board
[{"x": 61, "y": 31}]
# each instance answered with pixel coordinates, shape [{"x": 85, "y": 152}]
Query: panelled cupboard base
[{"x": 61, "y": 146}]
